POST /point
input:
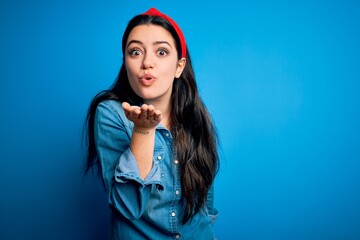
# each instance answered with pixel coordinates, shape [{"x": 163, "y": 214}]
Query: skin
[{"x": 150, "y": 49}]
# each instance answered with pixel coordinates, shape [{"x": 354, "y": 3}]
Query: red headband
[{"x": 155, "y": 12}]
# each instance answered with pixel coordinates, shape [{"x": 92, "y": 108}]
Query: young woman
[{"x": 153, "y": 140}]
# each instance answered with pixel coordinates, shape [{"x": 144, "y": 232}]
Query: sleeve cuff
[
  {"x": 213, "y": 215},
  {"x": 127, "y": 169}
]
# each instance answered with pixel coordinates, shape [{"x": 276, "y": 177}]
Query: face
[{"x": 151, "y": 62}]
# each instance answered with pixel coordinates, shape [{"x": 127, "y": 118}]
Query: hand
[{"x": 144, "y": 117}]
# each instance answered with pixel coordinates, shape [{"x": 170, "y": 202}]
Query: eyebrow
[{"x": 155, "y": 43}]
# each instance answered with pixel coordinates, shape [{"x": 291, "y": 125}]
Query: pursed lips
[{"x": 147, "y": 79}]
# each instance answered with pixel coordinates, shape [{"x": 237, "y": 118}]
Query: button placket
[{"x": 174, "y": 203}]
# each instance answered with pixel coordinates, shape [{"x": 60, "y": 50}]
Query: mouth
[{"x": 147, "y": 79}]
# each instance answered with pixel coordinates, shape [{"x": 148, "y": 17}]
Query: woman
[{"x": 153, "y": 139}]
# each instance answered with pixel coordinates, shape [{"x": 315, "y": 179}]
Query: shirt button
[
  {"x": 167, "y": 134},
  {"x": 173, "y": 214},
  {"x": 159, "y": 157},
  {"x": 177, "y": 192},
  {"x": 177, "y": 236},
  {"x": 176, "y": 162}
]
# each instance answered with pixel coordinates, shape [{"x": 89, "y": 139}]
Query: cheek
[
  {"x": 170, "y": 69},
  {"x": 127, "y": 65},
  {"x": 130, "y": 68}
]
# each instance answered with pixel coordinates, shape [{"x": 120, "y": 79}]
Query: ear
[{"x": 180, "y": 67}]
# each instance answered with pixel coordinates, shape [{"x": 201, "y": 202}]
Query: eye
[
  {"x": 162, "y": 52},
  {"x": 134, "y": 52}
]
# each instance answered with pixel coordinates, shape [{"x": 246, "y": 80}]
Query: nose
[{"x": 148, "y": 61}]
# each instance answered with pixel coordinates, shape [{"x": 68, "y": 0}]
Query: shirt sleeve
[
  {"x": 128, "y": 192},
  {"x": 212, "y": 211}
]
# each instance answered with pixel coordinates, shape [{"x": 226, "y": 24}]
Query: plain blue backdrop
[{"x": 281, "y": 79}]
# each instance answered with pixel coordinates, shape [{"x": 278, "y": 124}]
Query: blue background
[{"x": 281, "y": 79}]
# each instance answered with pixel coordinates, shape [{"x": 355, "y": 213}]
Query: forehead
[{"x": 150, "y": 33}]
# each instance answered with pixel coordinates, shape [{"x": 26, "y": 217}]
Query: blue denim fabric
[{"x": 151, "y": 208}]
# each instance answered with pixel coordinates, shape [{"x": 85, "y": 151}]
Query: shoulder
[
  {"x": 110, "y": 109},
  {"x": 111, "y": 105}
]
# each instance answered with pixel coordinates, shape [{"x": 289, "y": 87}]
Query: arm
[
  {"x": 128, "y": 191},
  {"x": 145, "y": 120}
]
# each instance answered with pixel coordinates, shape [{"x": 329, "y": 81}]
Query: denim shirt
[{"x": 152, "y": 208}]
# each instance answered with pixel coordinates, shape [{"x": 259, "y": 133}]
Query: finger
[
  {"x": 150, "y": 111},
  {"x": 143, "y": 113},
  {"x": 137, "y": 111},
  {"x": 126, "y": 107},
  {"x": 134, "y": 114},
  {"x": 157, "y": 115}
]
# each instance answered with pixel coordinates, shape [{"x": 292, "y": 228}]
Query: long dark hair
[{"x": 195, "y": 138}]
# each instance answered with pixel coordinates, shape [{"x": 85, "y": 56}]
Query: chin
[{"x": 148, "y": 96}]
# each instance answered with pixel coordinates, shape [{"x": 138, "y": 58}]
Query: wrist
[{"x": 143, "y": 131}]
